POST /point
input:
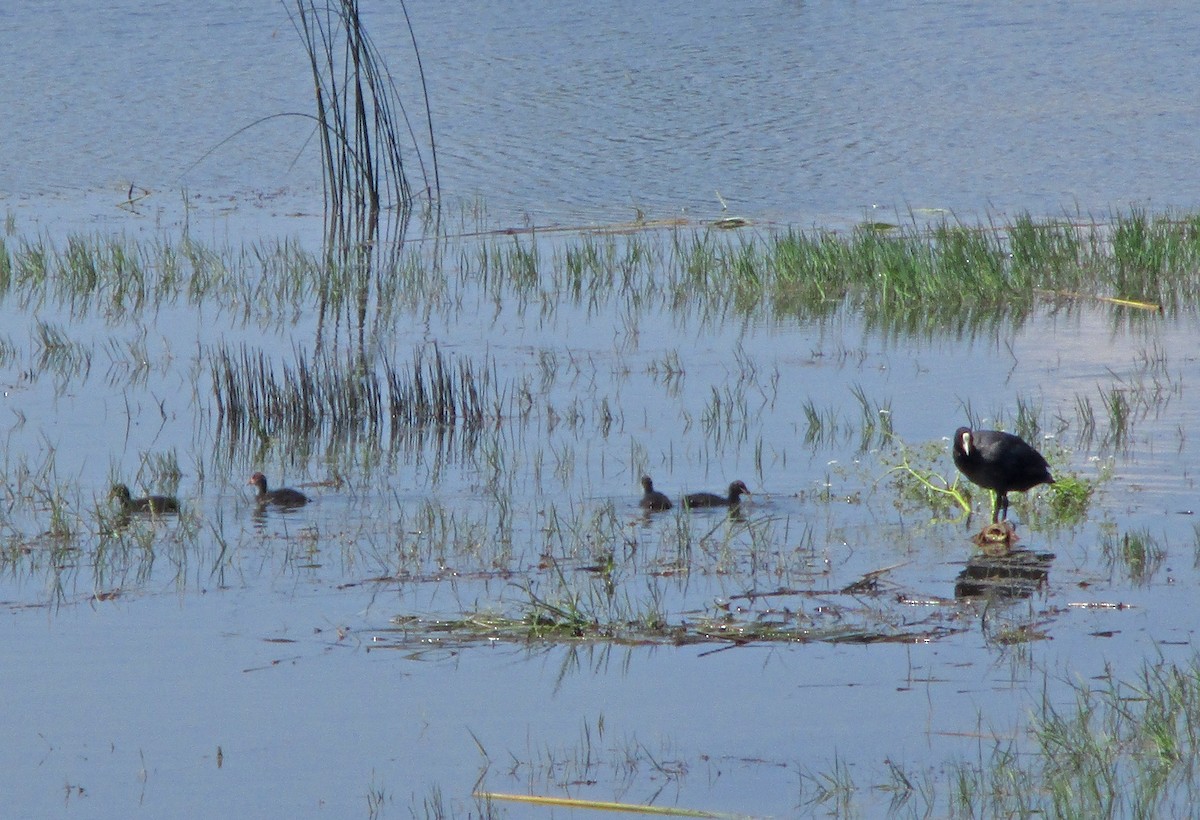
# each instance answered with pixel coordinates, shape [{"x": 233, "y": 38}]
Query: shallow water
[
  {"x": 427, "y": 529},
  {"x": 133, "y": 659}
]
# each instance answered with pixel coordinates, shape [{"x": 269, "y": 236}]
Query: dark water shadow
[{"x": 1019, "y": 574}]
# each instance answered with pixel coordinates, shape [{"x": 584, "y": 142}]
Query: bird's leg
[{"x": 996, "y": 506}]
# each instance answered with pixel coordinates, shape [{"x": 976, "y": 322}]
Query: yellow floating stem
[
  {"x": 603, "y": 805},
  {"x": 1112, "y": 300},
  {"x": 1133, "y": 304}
]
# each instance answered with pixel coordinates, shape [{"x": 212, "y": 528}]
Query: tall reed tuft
[
  {"x": 325, "y": 395},
  {"x": 361, "y": 121}
]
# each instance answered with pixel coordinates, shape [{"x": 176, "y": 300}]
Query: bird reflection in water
[{"x": 1000, "y": 570}]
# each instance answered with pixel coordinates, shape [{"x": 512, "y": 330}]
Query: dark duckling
[
  {"x": 282, "y": 497},
  {"x": 736, "y": 490},
  {"x": 154, "y": 504},
  {"x": 652, "y": 499},
  {"x": 1000, "y": 462}
]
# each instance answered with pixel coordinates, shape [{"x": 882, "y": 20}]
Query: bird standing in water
[{"x": 1000, "y": 462}]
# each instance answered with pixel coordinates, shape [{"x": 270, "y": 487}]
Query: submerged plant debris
[{"x": 870, "y": 610}]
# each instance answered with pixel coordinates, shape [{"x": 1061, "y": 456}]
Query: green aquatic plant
[
  {"x": 973, "y": 255},
  {"x": 876, "y": 426},
  {"x": 1118, "y": 748},
  {"x": 916, "y": 479},
  {"x": 1137, "y": 552},
  {"x": 67, "y": 359},
  {"x": 947, "y": 277},
  {"x": 338, "y": 396},
  {"x": 1045, "y": 254},
  {"x": 1069, "y": 499},
  {"x": 1028, "y": 423}
]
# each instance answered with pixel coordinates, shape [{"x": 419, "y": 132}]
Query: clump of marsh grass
[
  {"x": 831, "y": 791},
  {"x": 113, "y": 265},
  {"x": 822, "y": 426},
  {"x": 726, "y": 416},
  {"x": 436, "y": 393},
  {"x": 876, "y": 425},
  {"x": 1116, "y": 402},
  {"x": 164, "y": 469},
  {"x": 362, "y": 123},
  {"x": 1122, "y": 748},
  {"x": 949, "y": 273},
  {"x": 1028, "y": 424},
  {"x": 826, "y": 426},
  {"x": 252, "y": 399},
  {"x": 916, "y": 280},
  {"x": 1137, "y": 552},
  {"x": 327, "y": 395},
  {"x": 1043, "y": 252},
  {"x": 965, "y": 254},
  {"x": 6, "y": 266},
  {"x": 29, "y": 271},
  {"x": 57, "y": 352},
  {"x": 1147, "y": 250},
  {"x": 1070, "y": 499},
  {"x": 1125, "y": 402},
  {"x": 8, "y": 352}
]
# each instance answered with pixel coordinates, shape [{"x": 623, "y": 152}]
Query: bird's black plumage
[
  {"x": 154, "y": 504},
  {"x": 282, "y": 497},
  {"x": 652, "y": 499},
  {"x": 1000, "y": 462},
  {"x": 736, "y": 490}
]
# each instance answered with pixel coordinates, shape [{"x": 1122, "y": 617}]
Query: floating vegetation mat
[
  {"x": 415, "y": 632},
  {"x": 868, "y": 611}
]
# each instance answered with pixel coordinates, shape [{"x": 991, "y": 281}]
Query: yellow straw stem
[
  {"x": 603, "y": 805},
  {"x": 1113, "y": 300}
]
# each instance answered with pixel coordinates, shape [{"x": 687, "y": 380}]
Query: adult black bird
[
  {"x": 736, "y": 490},
  {"x": 652, "y": 499},
  {"x": 282, "y": 497},
  {"x": 154, "y": 504},
  {"x": 1000, "y": 462}
]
